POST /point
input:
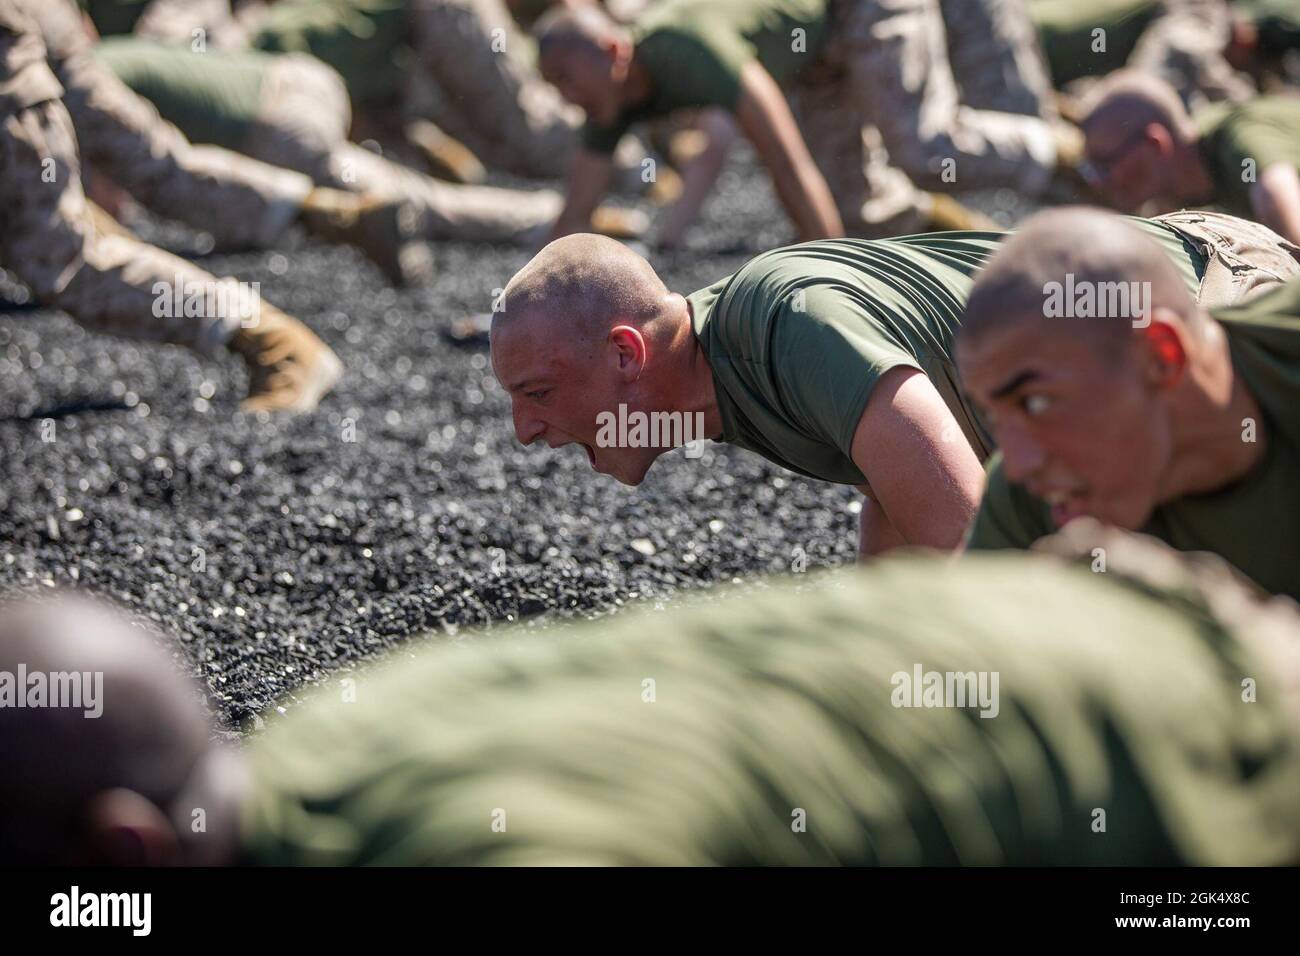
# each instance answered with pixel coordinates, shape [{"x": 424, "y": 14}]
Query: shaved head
[
  {"x": 578, "y": 288},
  {"x": 1128, "y": 100},
  {"x": 1092, "y": 246},
  {"x": 587, "y": 329},
  {"x": 1084, "y": 348},
  {"x": 583, "y": 29},
  {"x": 55, "y": 760}
]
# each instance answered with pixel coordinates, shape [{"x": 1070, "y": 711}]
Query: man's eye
[
  {"x": 538, "y": 395},
  {"x": 1036, "y": 404}
]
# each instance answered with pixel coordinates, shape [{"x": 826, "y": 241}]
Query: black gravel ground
[{"x": 278, "y": 552}]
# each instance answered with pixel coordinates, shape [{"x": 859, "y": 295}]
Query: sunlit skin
[
  {"x": 602, "y": 84},
  {"x": 1111, "y": 433},
  {"x": 557, "y": 393}
]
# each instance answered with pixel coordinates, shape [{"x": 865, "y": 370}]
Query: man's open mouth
[
  {"x": 1065, "y": 506},
  {"x": 591, "y": 454}
]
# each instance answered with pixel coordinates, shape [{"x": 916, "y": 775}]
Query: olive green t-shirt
[
  {"x": 771, "y": 729},
  {"x": 212, "y": 97},
  {"x": 1254, "y": 523},
  {"x": 694, "y": 51},
  {"x": 799, "y": 337},
  {"x": 1240, "y": 142},
  {"x": 366, "y": 41},
  {"x": 1067, "y": 34}
]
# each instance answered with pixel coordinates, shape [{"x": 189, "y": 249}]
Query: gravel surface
[{"x": 278, "y": 551}]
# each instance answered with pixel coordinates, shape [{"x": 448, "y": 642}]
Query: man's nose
[
  {"x": 1022, "y": 456},
  {"x": 527, "y": 428}
]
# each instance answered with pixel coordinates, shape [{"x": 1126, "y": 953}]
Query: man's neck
[
  {"x": 1217, "y": 427},
  {"x": 696, "y": 389}
]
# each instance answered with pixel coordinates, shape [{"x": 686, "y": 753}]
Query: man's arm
[
  {"x": 765, "y": 117},
  {"x": 699, "y": 173},
  {"x": 1276, "y": 199},
  {"x": 589, "y": 176},
  {"x": 925, "y": 477}
]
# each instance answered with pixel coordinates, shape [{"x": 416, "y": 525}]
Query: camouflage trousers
[
  {"x": 1243, "y": 258},
  {"x": 915, "y": 95},
  {"x": 241, "y": 202},
  {"x": 477, "y": 81},
  {"x": 1185, "y": 46},
  {"x": 107, "y": 283},
  {"x": 303, "y": 125}
]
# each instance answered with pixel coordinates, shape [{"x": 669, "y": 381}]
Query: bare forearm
[
  {"x": 876, "y": 533},
  {"x": 589, "y": 176},
  {"x": 699, "y": 173},
  {"x": 1276, "y": 200}
]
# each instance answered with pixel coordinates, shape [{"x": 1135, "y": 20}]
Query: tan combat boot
[
  {"x": 289, "y": 368},
  {"x": 947, "y": 214},
  {"x": 387, "y": 231},
  {"x": 618, "y": 223},
  {"x": 448, "y": 158}
]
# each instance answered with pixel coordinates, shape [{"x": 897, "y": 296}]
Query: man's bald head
[
  {"x": 1097, "y": 249},
  {"x": 1128, "y": 101},
  {"x": 582, "y": 29},
  {"x": 578, "y": 288},
  {"x": 55, "y": 760}
]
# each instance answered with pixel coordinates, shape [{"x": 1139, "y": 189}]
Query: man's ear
[
  {"x": 1159, "y": 136},
  {"x": 127, "y": 829},
  {"x": 1165, "y": 350},
  {"x": 619, "y": 50},
  {"x": 629, "y": 347}
]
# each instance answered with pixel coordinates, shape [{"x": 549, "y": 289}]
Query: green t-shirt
[
  {"x": 114, "y": 17},
  {"x": 694, "y": 51},
  {"x": 1265, "y": 130},
  {"x": 798, "y": 338},
  {"x": 366, "y": 41},
  {"x": 211, "y": 97},
  {"x": 1255, "y": 523},
  {"x": 764, "y": 729},
  {"x": 1072, "y": 47}
]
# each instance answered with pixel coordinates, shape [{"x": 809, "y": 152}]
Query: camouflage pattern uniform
[
  {"x": 174, "y": 21},
  {"x": 477, "y": 83},
  {"x": 303, "y": 125},
  {"x": 927, "y": 81},
  {"x": 1185, "y": 46},
  {"x": 241, "y": 202},
  {"x": 107, "y": 283}
]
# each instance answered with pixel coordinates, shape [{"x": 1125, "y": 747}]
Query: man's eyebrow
[{"x": 1023, "y": 378}]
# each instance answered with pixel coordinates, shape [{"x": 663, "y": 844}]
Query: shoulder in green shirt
[
  {"x": 212, "y": 97},
  {"x": 1073, "y": 47},
  {"x": 798, "y": 338},
  {"x": 546, "y": 749},
  {"x": 1238, "y": 143},
  {"x": 366, "y": 41},
  {"x": 695, "y": 50},
  {"x": 1253, "y": 524}
]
